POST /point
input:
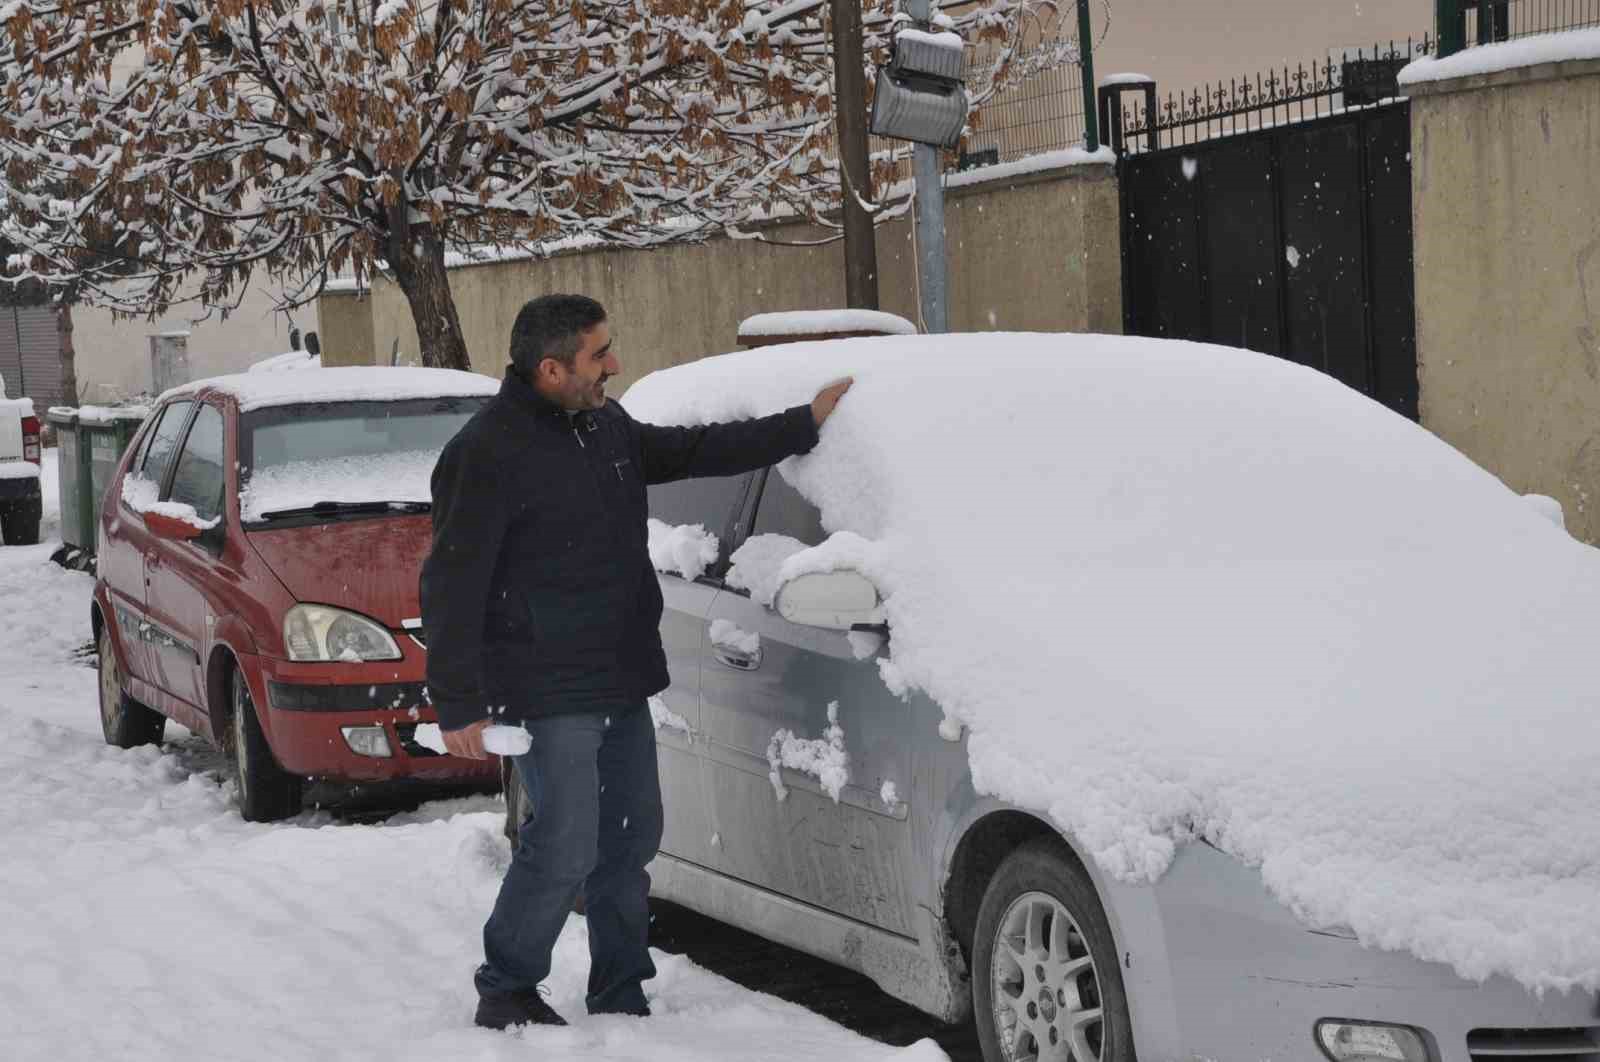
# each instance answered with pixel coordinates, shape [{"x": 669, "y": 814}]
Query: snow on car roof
[
  {"x": 354, "y": 383},
  {"x": 1178, "y": 591}
]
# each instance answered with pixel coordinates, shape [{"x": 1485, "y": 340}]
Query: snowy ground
[{"x": 143, "y": 919}]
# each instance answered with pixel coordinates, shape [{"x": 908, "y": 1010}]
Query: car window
[
  {"x": 712, "y": 502},
  {"x": 313, "y": 433},
  {"x": 163, "y": 442},
  {"x": 782, "y": 511},
  {"x": 147, "y": 433},
  {"x": 198, "y": 481},
  {"x": 361, "y": 454}
]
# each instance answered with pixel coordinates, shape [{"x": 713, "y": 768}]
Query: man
[{"x": 541, "y": 608}]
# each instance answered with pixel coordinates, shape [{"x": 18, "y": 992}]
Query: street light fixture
[{"x": 920, "y": 96}]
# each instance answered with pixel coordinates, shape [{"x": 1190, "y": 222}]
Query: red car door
[
  {"x": 125, "y": 542},
  {"x": 181, "y": 573}
]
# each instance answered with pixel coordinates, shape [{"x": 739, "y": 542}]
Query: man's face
[{"x": 584, "y": 385}]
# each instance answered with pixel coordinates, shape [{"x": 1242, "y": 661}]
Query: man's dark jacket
[{"x": 538, "y": 596}]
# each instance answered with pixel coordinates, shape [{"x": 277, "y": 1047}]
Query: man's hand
[
  {"x": 827, "y": 398},
  {"x": 466, "y": 742}
]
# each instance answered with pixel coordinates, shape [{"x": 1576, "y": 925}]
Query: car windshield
[{"x": 341, "y": 460}]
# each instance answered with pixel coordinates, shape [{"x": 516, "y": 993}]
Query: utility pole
[
  {"x": 930, "y": 215},
  {"x": 850, "y": 111}
]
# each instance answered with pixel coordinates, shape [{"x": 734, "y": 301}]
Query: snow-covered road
[{"x": 142, "y": 919}]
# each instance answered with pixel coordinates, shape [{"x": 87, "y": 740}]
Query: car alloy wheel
[
  {"x": 1044, "y": 989},
  {"x": 1046, "y": 983},
  {"x": 110, "y": 686},
  {"x": 124, "y": 722}
]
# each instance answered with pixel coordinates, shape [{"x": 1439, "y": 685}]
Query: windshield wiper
[{"x": 338, "y": 508}]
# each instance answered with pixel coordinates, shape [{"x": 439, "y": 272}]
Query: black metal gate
[{"x": 1291, "y": 236}]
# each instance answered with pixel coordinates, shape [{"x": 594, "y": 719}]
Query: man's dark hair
[{"x": 552, "y": 326}]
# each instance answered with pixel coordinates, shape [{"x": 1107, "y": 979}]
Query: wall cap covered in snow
[
  {"x": 1046, "y": 165},
  {"x": 817, "y": 322},
  {"x": 1573, "y": 53},
  {"x": 105, "y": 415}
]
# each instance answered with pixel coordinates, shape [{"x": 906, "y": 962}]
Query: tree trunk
[
  {"x": 850, "y": 110},
  {"x": 418, "y": 267},
  {"x": 69, "y": 354}
]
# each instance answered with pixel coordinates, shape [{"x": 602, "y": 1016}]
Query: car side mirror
[
  {"x": 839, "y": 601},
  {"x": 175, "y": 528}
]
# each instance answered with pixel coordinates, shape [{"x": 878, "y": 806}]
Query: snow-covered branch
[{"x": 144, "y": 143}]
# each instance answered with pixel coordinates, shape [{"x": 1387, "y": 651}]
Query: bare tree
[{"x": 204, "y": 140}]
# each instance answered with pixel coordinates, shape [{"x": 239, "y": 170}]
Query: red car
[{"x": 258, "y": 553}]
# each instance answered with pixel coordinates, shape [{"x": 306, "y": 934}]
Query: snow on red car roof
[{"x": 353, "y": 383}]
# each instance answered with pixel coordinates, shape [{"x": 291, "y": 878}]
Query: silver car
[{"x": 971, "y": 909}]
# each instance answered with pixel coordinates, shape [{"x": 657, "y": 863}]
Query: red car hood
[{"x": 368, "y": 565}]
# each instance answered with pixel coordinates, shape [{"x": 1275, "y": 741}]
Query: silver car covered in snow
[{"x": 973, "y": 908}]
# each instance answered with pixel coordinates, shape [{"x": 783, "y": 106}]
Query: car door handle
[{"x": 736, "y": 658}]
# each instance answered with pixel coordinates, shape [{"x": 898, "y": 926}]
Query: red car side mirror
[{"x": 163, "y": 526}]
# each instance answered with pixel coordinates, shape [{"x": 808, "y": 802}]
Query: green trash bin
[
  {"x": 105, "y": 433},
  {"x": 72, "y": 479}
]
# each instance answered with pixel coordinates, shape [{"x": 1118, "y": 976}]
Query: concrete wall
[
  {"x": 1035, "y": 252},
  {"x": 1506, "y": 213},
  {"x": 344, "y": 328},
  {"x": 113, "y": 356}
]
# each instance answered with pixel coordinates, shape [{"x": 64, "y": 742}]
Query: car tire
[
  {"x": 1045, "y": 973},
  {"x": 267, "y": 793},
  {"x": 125, "y": 722},
  {"x": 518, "y": 807},
  {"x": 511, "y": 788}
]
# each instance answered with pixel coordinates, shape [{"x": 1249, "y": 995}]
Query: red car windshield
[{"x": 330, "y": 459}]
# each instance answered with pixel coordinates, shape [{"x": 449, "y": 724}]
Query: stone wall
[
  {"x": 1506, "y": 214},
  {"x": 1034, "y": 251}
]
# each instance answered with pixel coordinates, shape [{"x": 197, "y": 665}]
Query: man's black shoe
[{"x": 518, "y": 1008}]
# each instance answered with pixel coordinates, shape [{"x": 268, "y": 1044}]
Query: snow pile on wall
[
  {"x": 1044, "y": 162},
  {"x": 103, "y": 416},
  {"x": 289, "y": 362},
  {"x": 1505, "y": 55},
  {"x": 684, "y": 549},
  {"x": 1178, "y": 591},
  {"x": 403, "y": 477},
  {"x": 817, "y": 322}
]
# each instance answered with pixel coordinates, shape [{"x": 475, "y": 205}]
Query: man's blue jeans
[{"x": 592, "y": 781}]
